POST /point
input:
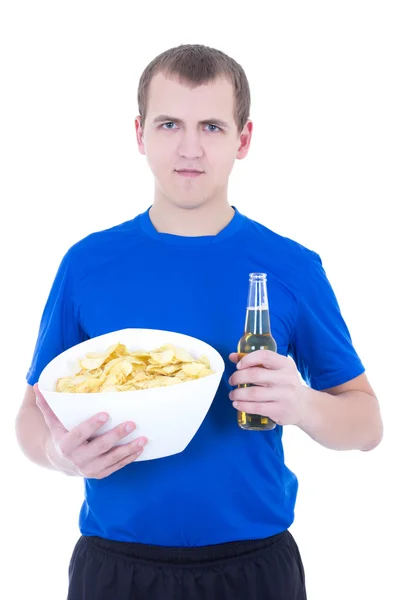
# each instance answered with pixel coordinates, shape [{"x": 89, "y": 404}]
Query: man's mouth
[{"x": 189, "y": 173}]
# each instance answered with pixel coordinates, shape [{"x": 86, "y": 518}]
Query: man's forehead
[{"x": 169, "y": 96}]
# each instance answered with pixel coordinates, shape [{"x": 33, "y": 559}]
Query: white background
[{"x": 323, "y": 169}]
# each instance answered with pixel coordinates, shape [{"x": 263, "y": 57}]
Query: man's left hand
[{"x": 276, "y": 391}]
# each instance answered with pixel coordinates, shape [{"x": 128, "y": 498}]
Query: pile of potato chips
[{"x": 118, "y": 370}]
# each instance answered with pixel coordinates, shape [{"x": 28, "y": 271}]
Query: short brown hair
[{"x": 194, "y": 65}]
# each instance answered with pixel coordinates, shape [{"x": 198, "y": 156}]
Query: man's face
[{"x": 191, "y": 129}]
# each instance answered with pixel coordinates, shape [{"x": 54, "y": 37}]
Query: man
[{"x": 210, "y": 523}]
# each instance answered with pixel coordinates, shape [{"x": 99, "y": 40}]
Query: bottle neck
[
  {"x": 257, "y": 314},
  {"x": 257, "y": 296},
  {"x": 257, "y": 321}
]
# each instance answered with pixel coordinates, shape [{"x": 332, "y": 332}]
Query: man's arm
[
  {"x": 45, "y": 441},
  {"x": 343, "y": 417},
  {"x": 34, "y": 436}
]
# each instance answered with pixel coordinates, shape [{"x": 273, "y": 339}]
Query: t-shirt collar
[{"x": 181, "y": 240}]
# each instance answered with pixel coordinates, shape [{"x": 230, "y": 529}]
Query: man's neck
[{"x": 208, "y": 219}]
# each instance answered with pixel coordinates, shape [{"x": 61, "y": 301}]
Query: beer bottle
[{"x": 257, "y": 336}]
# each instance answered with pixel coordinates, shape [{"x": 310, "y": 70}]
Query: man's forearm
[
  {"x": 35, "y": 441},
  {"x": 347, "y": 421}
]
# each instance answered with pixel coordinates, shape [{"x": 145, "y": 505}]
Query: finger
[
  {"x": 119, "y": 465},
  {"x": 256, "y": 376},
  {"x": 103, "y": 443},
  {"x": 53, "y": 423},
  {"x": 117, "y": 458},
  {"x": 257, "y": 408},
  {"x": 266, "y": 358},
  {"x": 253, "y": 393},
  {"x": 81, "y": 433},
  {"x": 234, "y": 357}
]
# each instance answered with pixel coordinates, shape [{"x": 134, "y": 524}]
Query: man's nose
[{"x": 190, "y": 146}]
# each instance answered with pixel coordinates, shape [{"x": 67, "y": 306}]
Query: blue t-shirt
[{"x": 228, "y": 484}]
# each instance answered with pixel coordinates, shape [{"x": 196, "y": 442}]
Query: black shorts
[{"x": 268, "y": 569}]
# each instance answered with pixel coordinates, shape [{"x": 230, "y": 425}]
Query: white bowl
[{"x": 168, "y": 416}]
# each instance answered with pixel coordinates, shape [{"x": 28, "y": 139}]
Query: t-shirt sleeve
[
  {"x": 321, "y": 344},
  {"x": 59, "y": 326}
]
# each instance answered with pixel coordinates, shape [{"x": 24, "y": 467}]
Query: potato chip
[
  {"x": 193, "y": 368},
  {"x": 89, "y": 363},
  {"x": 182, "y": 355},
  {"x": 109, "y": 388},
  {"x": 118, "y": 370},
  {"x": 162, "y": 358},
  {"x": 121, "y": 367},
  {"x": 141, "y": 354},
  {"x": 92, "y": 384},
  {"x": 169, "y": 369},
  {"x": 205, "y": 360}
]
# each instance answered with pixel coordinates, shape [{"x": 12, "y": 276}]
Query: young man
[{"x": 212, "y": 522}]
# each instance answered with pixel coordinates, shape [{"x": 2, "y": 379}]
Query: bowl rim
[{"x": 55, "y": 393}]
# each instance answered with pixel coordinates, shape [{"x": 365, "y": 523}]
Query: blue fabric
[{"x": 228, "y": 484}]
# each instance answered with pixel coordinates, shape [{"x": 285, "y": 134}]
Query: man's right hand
[{"x": 77, "y": 452}]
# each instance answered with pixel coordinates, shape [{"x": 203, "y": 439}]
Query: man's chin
[
  {"x": 189, "y": 204},
  {"x": 187, "y": 201}
]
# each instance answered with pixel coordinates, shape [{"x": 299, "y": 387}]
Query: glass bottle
[{"x": 257, "y": 336}]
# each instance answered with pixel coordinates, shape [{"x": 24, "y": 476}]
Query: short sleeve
[
  {"x": 59, "y": 326},
  {"x": 321, "y": 344}
]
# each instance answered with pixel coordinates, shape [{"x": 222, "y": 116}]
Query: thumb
[{"x": 57, "y": 429}]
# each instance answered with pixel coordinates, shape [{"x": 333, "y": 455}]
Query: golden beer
[{"x": 257, "y": 336}]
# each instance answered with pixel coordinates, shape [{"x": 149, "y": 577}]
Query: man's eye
[{"x": 214, "y": 126}]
